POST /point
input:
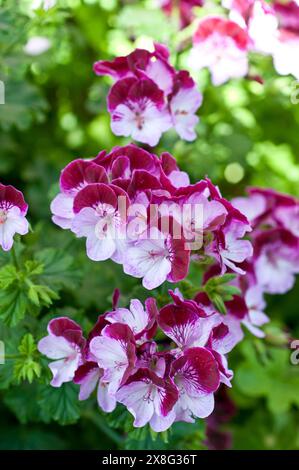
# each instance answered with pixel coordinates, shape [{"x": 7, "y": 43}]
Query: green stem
[
  {"x": 15, "y": 258},
  {"x": 12, "y": 356},
  {"x": 100, "y": 423}
]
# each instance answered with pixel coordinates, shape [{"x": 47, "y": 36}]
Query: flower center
[
  {"x": 139, "y": 118},
  {"x": 3, "y": 216}
]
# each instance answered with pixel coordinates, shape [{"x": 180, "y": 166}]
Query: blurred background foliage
[{"x": 55, "y": 111}]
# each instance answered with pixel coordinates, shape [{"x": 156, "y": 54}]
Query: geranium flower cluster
[
  {"x": 142, "y": 212},
  {"x": 13, "y": 210},
  {"x": 252, "y": 26},
  {"x": 149, "y": 96},
  {"x": 274, "y": 218},
  {"x": 159, "y": 384}
]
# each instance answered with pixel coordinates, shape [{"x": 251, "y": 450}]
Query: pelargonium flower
[
  {"x": 138, "y": 109},
  {"x": 229, "y": 248},
  {"x": 222, "y": 46},
  {"x": 186, "y": 323},
  {"x": 114, "y": 351},
  {"x": 142, "y": 321},
  {"x": 157, "y": 257},
  {"x": 123, "y": 203},
  {"x": 275, "y": 237},
  {"x": 273, "y": 29},
  {"x": 65, "y": 344},
  {"x": 158, "y": 385},
  {"x": 90, "y": 376},
  {"x": 13, "y": 210},
  {"x": 150, "y": 399},
  {"x": 196, "y": 375},
  {"x": 100, "y": 218},
  {"x": 194, "y": 207},
  {"x": 276, "y": 260},
  {"x": 286, "y": 47},
  {"x": 149, "y": 96},
  {"x": 193, "y": 324},
  {"x": 183, "y": 104},
  {"x": 258, "y": 19},
  {"x": 74, "y": 177},
  {"x": 154, "y": 65}
]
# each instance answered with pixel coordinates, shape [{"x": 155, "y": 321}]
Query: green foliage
[
  {"x": 267, "y": 372},
  {"x": 60, "y": 404},
  {"x": 26, "y": 367},
  {"x": 30, "y": 286}
]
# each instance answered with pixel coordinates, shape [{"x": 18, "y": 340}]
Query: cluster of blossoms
[
  {"x": 159, "y": 384},
  {"x": 13, "y": 210},
  {"x": 274, "y": 218},
  {"x": 253, "y": 25},
  {"x": 142, "y": 212},
  {"x": 149, "y": 96}
]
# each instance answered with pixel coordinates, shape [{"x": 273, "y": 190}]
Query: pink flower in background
[
  {"x": 185, "y": 9},
  {"x": 65, "y": 344},
  {"x": 150, "y": 399},
  {"x": 37, "y": 45},
  {"x": 99, "y": 218},
  {"x": 284, "y": 38},
  {"x": 275, "y": 238},
  {"x": 74, "y": 177},
  {"x": 138, "y": 109},
  {"x": 255, "y": 317},
  {"x": 221, "y": 45},
  {"x": 149, "y": 96},
  {"x": 276, "y": 260},
  {"x": 13, "y": 210},
  {"x": 273, "y": 29},
  {"x": 258, "y": 18}
]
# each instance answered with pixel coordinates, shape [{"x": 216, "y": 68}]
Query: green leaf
[
  {"x": 41, "y": 295},
  {"x": 267, "y": 372},
  {"x": 13, "y": 305},
  {"x": 60, "y": 404},
  {"x": 22, "y": 401},
  {"x": 26, "y": 367},
  {"x": 27, "y": 346},
  {"x": 58, "y": 269},
  {"x": 218, "y": 302},
  {"x": 8, "y": 275}
]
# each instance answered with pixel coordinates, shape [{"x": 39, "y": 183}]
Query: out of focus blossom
[
  {"x": 37, "y": 45},
  {"x": 183, "y": 7},
  {"x": 221, "y": 45}
]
